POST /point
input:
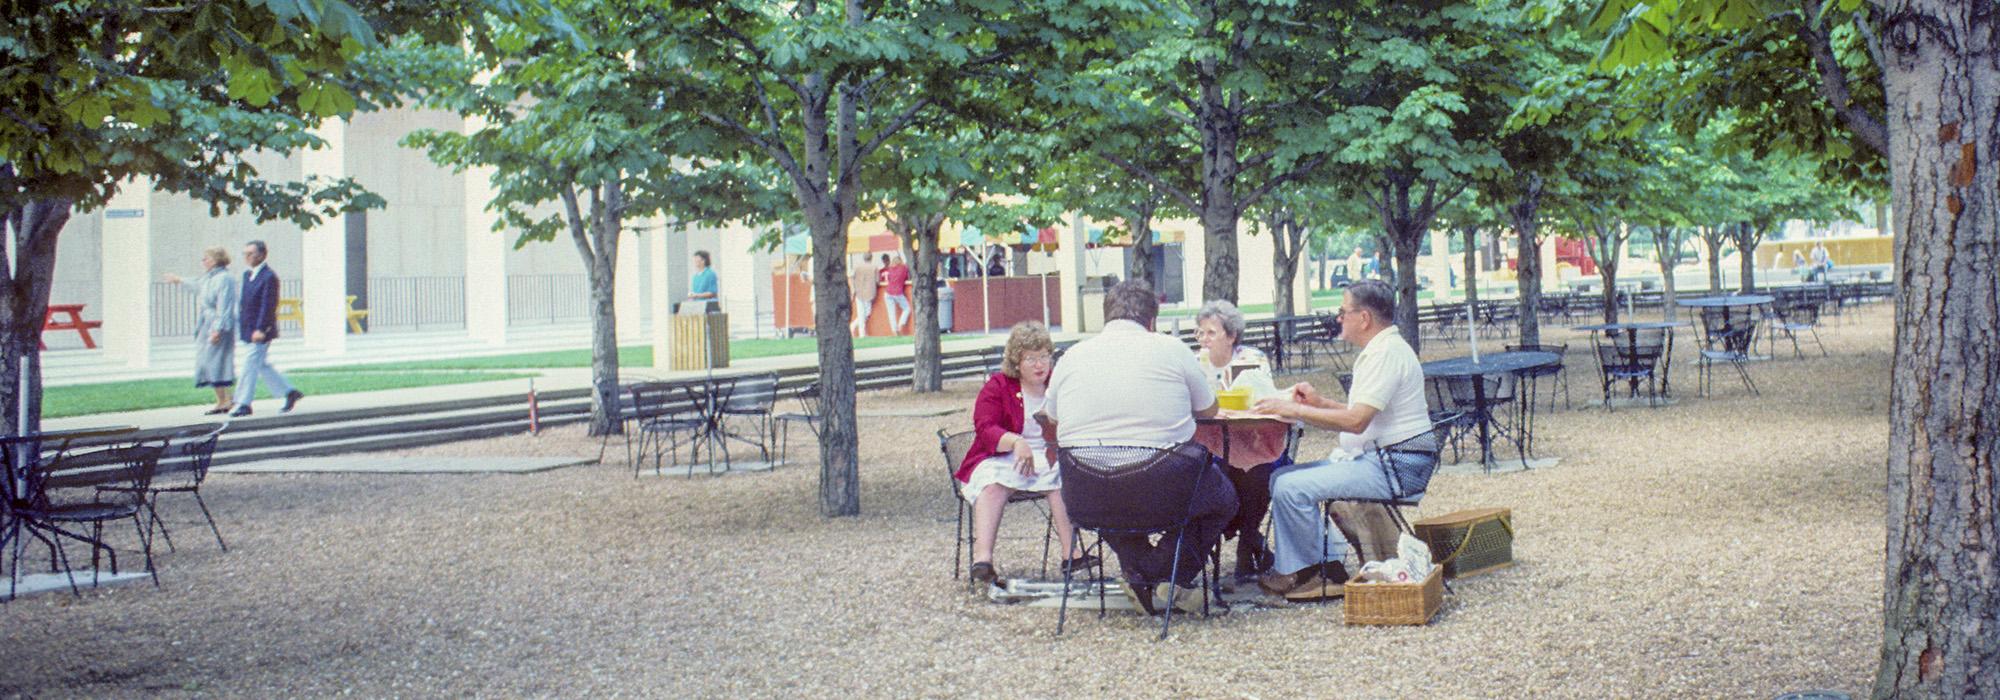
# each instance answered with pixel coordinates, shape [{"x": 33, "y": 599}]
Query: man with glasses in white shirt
[{"x": 1384, "y": 407}]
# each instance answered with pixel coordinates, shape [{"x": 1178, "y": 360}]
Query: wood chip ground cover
[{"x": 1728, "y": 546}]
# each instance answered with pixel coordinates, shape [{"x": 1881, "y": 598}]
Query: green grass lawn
[
  {"x": 628, "y": 356},
  {"x": 86, "y": 399}
]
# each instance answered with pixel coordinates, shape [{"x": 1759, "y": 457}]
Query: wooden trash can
[{"x": 700, "y": 341}]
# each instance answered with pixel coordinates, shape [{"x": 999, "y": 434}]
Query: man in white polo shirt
[
  {"x": 1385, "y": 407},
  {"x": 1131, "y": 386}
]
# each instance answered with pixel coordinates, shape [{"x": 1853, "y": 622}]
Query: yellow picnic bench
[{"x": 291, "y": 309}]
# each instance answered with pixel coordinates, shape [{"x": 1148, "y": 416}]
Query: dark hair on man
[
  {"x": 705, "y": 260},
  {"x": 1374, "y": 296},
  {"x": 885, "y": 258},
  {"x": 1132, "y": 300},
  {"x": 259, "y": 245}
]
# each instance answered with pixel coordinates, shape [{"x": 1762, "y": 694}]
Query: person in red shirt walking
[{"x": 896, "y": 280}]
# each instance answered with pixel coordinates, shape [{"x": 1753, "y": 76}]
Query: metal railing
[
  {"x": 173, "y": 310},
  {"x": 533, "y": 299},
  {"x": 415, "y": 302}
]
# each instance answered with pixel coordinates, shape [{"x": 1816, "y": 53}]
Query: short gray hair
[
  {"x": 1132, "y": 300},
  {"x": 1375, "y": 296},
  {"x": 1225, "y": 314}
]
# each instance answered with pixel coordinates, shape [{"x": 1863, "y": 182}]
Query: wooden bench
[
  {"x": 293, "y": 309},
  {"x": 75, "y": 323}
]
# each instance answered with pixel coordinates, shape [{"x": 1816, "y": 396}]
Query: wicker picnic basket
[
  {"x": 1470, "y": 541},
  {"x": 1396, "y": 603}
]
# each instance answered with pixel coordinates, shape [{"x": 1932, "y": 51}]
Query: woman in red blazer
[{"x": 1008, "y": 453}]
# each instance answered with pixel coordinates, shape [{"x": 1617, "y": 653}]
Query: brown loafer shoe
[
  {"x": 1279, "y": 584},
  {"x": 1314, "y": 587}
]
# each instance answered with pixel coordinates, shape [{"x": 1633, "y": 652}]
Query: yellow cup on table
[{"x": 1237, "y": 399}]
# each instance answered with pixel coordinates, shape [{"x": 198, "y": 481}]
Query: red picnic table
[{"x": 75, "y": 323}]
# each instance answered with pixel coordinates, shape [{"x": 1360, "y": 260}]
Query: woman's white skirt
[{"x": 999, "y": 469}]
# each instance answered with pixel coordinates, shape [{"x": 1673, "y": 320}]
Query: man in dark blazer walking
[{"x": 259, "y": 326}]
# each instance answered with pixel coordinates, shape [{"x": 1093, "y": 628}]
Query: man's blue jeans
[
  {"x": 1298, "y": 490},
  {"x": 255, "y": 366}
]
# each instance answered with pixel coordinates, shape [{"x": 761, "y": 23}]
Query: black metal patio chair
[
  {"x": 75, "y": 490},
  {"x": 752, "y": 399},
  {"x": 1799, "y": 316},
  {"x": 953, "y": 446},
  {"x": 182, "y": 468},
  {"x": 1406, "y": 487},
  {"x": 1134, "y": 490},
  {"x": 807, "y": 398},
  {"x": 1631, "y": 356},
  {"x": 1727, "y": 336},
  {"x": 663, "y": 427}
]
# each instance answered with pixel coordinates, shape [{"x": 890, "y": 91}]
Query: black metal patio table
[
  {"x": 1487, "y": 365},
  {"x": 708, "y": 395}
]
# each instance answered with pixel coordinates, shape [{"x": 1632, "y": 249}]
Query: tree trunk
[
  {"x": 927, "y": 371},
  {"x": 1746, "y": 252},
  {"x": 1407, "y": 245},
  {"x": 1712, "y": 238},
  {"x": 604, "y": 398},
  {"x": 1140, "y": 267},
  {"x": 839, "y": 468},
  {"x": 1667, "y": 248},
  {"x": 595, "y": 235},
  {"x": 1609, "y": 240},
  {"x": 1288, "y": 246},
  {"x": 1528, "y": 264},
  {"x": 1941, "y": 592},
  {"x": 1219, "y": 211},
  {"x": 34, "y": 230},
  {"x": 1218, "y": 224}
]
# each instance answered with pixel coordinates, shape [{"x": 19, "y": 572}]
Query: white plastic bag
[{"x": 1411, "y": 565}]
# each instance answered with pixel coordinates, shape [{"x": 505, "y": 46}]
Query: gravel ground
[{"x": 1722, "y": 547}]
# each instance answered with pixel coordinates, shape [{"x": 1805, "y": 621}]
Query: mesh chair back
[
  {"x": 1461, "y": 394},
  {"x": 125, "y": 473},
  {"x": 754, "y": 395},
  {"x": 808, "y": 399},
  {"x": 185, "y": 462},
  {"x": 1724, "y": 329},
  {"x": 1803, "y": 313},
  {"x": 1545, "y": 370},
  {"x": 954, "y": 446},
  {"x": 1407, "y": 484},
  {"x": 649, "y": 400},
  {"x": 1131, "y": 488}
]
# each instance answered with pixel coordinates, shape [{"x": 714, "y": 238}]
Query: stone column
[
  {"x": 127, "y": 245},
  {"x": 485, "y": 256},
  {"x": 628, "y": 301},
  {"x": 323, "y": 279},
  {"x": 1256, "y": 275},
  {"x": 1441, "y": 274},
  {"x": 1551, "y": 277}
]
